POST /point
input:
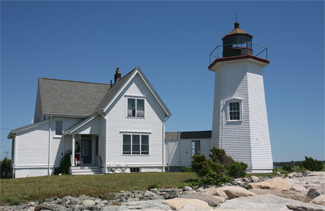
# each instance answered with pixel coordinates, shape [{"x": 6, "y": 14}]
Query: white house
[{"x": 120, "y": 127}]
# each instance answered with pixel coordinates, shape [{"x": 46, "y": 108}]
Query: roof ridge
[{"x": 73, "y": 81}]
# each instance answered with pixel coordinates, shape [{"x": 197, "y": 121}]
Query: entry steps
[{"x": 85, "y": 170}]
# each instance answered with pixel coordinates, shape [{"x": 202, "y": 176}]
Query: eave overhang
[{"x": 232, "y": 58}]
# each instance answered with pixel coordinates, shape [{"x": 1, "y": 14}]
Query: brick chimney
[{"x": 117, "y": 75}]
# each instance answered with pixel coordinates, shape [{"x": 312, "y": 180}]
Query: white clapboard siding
[
  {"x": 179, "y": 151},
  {"x": 260, "y": 138},
  {"x": 32, "y": 146},
  {"x": 118, "y": 123},
  {"x": 248, "y": 139}
]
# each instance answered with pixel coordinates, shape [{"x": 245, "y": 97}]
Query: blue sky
[{"x": 171, "y": 42}]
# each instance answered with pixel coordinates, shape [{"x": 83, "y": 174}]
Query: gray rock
[
  {"x": 88, "y": 203},
  {"x": 268, "y": 202},
  {"x": 140, "y": 205},
  {"x": 313, "y": 193},
  {"x": 187, "y": 188},
  {"x": 211, "y": 200}
]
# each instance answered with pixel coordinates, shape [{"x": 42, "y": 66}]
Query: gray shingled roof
[
  {"x": 188, "y": 135},
  {"x": 75, "y": 98},
  {"x": 63, "y": 97},
  {"x": 109, "y": 95}
]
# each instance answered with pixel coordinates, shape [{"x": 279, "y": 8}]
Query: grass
[{"x": 16, "y": 191}]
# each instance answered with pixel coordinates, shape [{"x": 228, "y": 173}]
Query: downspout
[
  {"x": 49, "y": 147},
  {"x": 164, "y": 145},
  {"x": 105, "y": 140}
]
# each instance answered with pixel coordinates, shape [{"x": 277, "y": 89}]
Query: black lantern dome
[{"x": 237, "y": 43}]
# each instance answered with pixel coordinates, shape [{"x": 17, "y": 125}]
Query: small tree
[
  {"x": 218, "y": 168},
  {"x": 5, "y": 167},
  {"x": 64, "y": 164},
  {"x": 311, "y": 164}
]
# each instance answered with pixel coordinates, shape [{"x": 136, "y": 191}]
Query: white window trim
[
  {"x": 234, "y": 100},
  {"x": 135, "y": 98},
  {"x": 193, "y": 141},
  {"x": 135, "y": 133},
  {"x": 54, "y": 131}
]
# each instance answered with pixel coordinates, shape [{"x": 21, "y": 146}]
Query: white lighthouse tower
[{"x": 240, "y": 124}]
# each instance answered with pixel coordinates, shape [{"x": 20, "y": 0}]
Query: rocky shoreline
[{"x": 298, "y": 191}]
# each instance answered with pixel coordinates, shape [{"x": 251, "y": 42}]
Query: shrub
[
  {"x": 187, "y": 169},
  {"x": 218, "y": 168},
  {"x": 311, "y": 164},
  {"x": 237, "y": 169},
  {"x": 287, "y": 168},
  {"x": 64, "y": 164},
  {"x": 5, "y": 167}
]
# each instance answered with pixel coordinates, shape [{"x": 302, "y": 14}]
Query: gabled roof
[
  {"x": 122, "y": 83},
  {"x": 188, "y": 135},
  {"x": 73, "y": 98},
  {"x": 113, "y": 92}
]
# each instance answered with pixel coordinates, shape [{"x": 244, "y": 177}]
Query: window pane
[
  {"x": 234, "y": 111},
  {"x": 136, "y": 144},
  {"x": 58, "y": 128},
  {"x": 196, "y": 147},
  {"x": 126, "y": 144},
  {"x": 145, "y": 144},
  {"x": 145, "y": 139},
  {"x": 131, "y": 107},
  {"x": 140, "y": 108}
]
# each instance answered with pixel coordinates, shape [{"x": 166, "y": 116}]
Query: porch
[
  {"x": 85, "y": 170},
  {"x": 85, "y": 157}
]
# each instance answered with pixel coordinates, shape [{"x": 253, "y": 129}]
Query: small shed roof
[{"x": 188, "y": 135}]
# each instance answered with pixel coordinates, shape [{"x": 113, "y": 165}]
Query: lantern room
[{"x": 237, "y": 43}]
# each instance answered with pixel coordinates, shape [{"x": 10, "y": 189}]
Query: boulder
[
  {"x": 255, "y": 179},
  {"x": 144, "y": 205},
  {"x": 299, "y": 188},
  {"x": 210, "y": 199},
  {"x": 276, "y": 183},
  {"x": 313, "y": 193},
  {"x": 231, "y": 192},
  {"x": 268, "y": 202},
  {"x": 285, "y": 194},
  {"x": 88, "y": 203},
  {"x": 179, "y": 203},
  {"x": 319, "y": 200},
  {"x": 150, "y": 195}
]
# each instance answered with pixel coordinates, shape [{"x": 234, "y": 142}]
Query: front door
[{"x": 86, "y": 150}]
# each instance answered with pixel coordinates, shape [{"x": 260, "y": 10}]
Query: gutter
[{"x": 49, "y": 147}]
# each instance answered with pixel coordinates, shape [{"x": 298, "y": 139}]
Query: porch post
[{"x": 73, "y": 146}]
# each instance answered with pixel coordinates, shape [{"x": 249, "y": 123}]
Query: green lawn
[{"x": 15, "y": 191}]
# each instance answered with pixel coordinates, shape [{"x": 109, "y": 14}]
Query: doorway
[{"x": 86, "y": 149}]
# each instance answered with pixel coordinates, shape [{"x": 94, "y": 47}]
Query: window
[
  {"x": 196, "y": 147},
  {"x": 234, "y": 111},
  {"x": 58, "y": 128},
  {"x": 135, "y": 144},
  {"x": 134, "y": 169},
  {"x": 135, "y": 107}
]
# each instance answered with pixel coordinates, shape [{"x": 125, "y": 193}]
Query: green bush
[
  {"x": 311, "y": 164},
  {"x": 64, "y": 164},
  {"x": 287, "y": 168},
  {"x": 187, "y": 169},
  {"x": 5, "y": 167},
  {"x": 218, "y": 168},
  {"x": 236, "y": 169}
]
